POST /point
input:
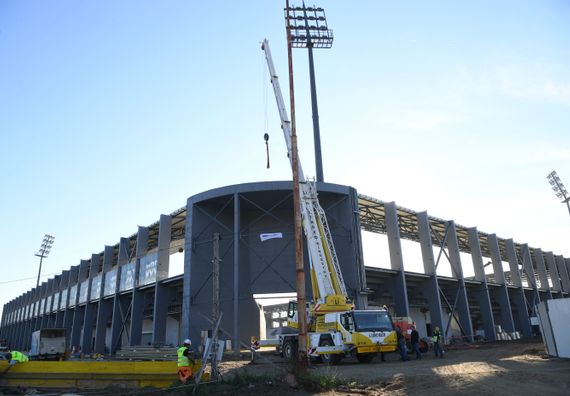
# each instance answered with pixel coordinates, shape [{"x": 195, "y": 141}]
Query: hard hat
[{"x": 187, "y": 341}]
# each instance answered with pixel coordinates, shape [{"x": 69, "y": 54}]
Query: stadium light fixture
[
  {"x": 43, "y": 252},
  {"x": 559, "y": 188},
  {"x": 308, "y": 29}
]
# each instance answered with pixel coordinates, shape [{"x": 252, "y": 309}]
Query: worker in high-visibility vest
[
  {"x": 185, "y": 362},
  {"x": 14, "y": 357}
]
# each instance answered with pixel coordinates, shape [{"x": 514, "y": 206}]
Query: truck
[
  {"x": 335, "y": 328},
  {"x": 48, "y": 344}
]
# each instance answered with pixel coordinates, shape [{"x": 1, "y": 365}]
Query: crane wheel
[
  {"x": 289, "y": 350},
  {"x": 365, "y": 357}
]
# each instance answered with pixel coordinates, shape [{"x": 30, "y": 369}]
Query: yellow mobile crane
[{"x": 335, "y": 328}]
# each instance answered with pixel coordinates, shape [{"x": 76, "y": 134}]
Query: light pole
[
  {"x": 309, "y": 29},
  {"x": 559, "y": 188},
  {"x": 43, "y": 252}
]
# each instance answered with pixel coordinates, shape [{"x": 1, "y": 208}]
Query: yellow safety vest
[
  {"x": 19, "y": 357},
  {"x": 183, "y": 361}
]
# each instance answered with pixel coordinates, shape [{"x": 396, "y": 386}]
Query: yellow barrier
[{"x": 89, "y": 374}]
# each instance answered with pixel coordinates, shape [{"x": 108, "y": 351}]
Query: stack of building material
[
  {"x": 504, "y": 336},
  {"x": 147, "y": 352}
]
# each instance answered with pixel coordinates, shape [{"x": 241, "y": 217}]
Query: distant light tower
[
  {"x": 559, "y": 188},
  {"x": 308, "y": 26},
  {"x": 45, "y": 247}
]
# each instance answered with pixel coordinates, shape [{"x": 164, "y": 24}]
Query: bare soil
[{"x": 503, "y": 368}]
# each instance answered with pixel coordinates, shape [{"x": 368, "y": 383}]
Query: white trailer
[{"x": 48, "y": 344}]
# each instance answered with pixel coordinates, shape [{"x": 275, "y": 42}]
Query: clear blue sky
[{"x": 113, "y": 112}]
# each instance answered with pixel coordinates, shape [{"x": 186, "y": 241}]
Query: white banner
[{"x": 273, "y": 235}]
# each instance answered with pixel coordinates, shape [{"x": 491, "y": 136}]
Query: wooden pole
[{"x": 299, "y": 267}]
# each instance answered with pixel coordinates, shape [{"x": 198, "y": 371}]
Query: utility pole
[
  {"x": 299, "y": 267},
  {"x": 43, "y": 252}
]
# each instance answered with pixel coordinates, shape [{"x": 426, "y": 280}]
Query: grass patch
[{"x": 320, "y": 382}]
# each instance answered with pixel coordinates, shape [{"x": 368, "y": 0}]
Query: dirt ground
[{"x": 502, "y": 368}]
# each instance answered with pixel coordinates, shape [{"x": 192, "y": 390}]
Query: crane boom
[{"x": 329, "y": 290}]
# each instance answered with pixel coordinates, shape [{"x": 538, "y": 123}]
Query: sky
[{"x": 114, "y": 112}]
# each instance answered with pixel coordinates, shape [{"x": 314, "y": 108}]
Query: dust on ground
[{"x": 501, "y": 368}]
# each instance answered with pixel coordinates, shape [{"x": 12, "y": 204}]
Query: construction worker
[
  {"x": 415, "y": 340},
  {"x": 402, "y": 344},
  {"x": 14, "y": 357},
  {"x": 185, "y": 361},
  {"x": 437, "y": 339}
]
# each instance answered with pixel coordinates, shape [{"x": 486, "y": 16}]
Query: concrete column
[
  {"x": 482, "y": 293},
  {"x": 105, "y": 306},
  {"x": 399, "y": 288},
  {"x": 138, "y": 295},
  {"x": 563, "y": 272},
  {"x": 541, "y": 268},
  {"x": 517, "y": 294},
  {"x": 119, "y": 303},
  {"x": 501, "y": 295},
  {"x": 462, "y": 305},
  {"x": 162, "y": 292},
  {"x": 90, "y": 308},
  {"x": 553, "y": 271},
  {"x": 430, "y": 287}
]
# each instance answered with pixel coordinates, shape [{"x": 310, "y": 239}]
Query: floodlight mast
[
  {"x": 43, "y": 252},
  {"x": 559, "y": 188},
  {"x": 315, "y": 35}
]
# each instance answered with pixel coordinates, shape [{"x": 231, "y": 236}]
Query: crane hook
[{"x": 266, "y": 137}]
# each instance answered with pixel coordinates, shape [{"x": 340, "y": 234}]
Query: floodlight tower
[
  {"x": 309, "y": 29},
  {"x": 43, "y": 252},
  {"x": 559, "y": 188}
]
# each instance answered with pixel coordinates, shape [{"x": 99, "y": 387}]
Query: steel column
[
  {"x": 90, "y": 308},
  {"x": 517, "y": 295},
  {"x": 137, "y": 302},
  {"x": 430, "y": 287},
  {"x": 69, "y": 300},
  {"x": 553, "y": 271},
  {"x": 482, "y": 293},
  {"x": 563, "y": 272},
  {"x": 501, "y": 294},
  {"x": 62, "y": 305},
  {"x": 161, "y": 292},
  {"x": 399, "y": 288},
  {"x": 236, "y": 241},
  {"x": 541, "y": 269},
  {"x": 186, "y": 285},
  {"x": 105, "y": 306},
  {"x": 457, "y": 272},
  {"x": 118, "y": 321}
]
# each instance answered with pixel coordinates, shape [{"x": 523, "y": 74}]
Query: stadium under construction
[{"x": 124, "y": 296}]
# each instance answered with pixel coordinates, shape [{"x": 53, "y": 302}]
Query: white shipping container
[{"x": 554, "y": 318}]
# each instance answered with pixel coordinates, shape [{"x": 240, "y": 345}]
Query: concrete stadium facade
[{"x": 123, "y": 295}]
